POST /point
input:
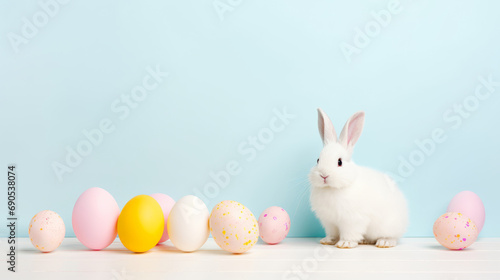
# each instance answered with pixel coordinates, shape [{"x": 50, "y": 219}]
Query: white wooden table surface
[{"x": 295, "y": 258}]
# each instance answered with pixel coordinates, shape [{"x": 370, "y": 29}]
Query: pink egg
[
  {"x": 469, "y": 204},
  {"x": 46, "y": 231},
  {"x": 233, "y": 226},
  {"x": 455, "y": 231},
  {"x": 274, "y": 225},
  {"x": 166, "y": 203},
  {"x": 94, "y": 218}
]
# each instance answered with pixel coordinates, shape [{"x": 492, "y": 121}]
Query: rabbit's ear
[
  {"x": 352, "y": 130},
  {"x": 326, "y": 130}
]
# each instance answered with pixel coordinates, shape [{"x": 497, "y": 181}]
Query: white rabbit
[{"x": 356, "y": 205}]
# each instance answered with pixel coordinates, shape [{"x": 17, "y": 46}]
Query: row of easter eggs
[{"x": 147, "y": 220}]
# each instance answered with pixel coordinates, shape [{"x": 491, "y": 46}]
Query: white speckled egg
[
  {"x": 233, "y": 227},
  {"x": 46, "y": 231}
]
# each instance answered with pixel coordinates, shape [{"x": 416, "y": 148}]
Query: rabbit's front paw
[
  {"x": 344, "y": 244},
  {"x": 386, "y": 243},
  {"x": 329, "y": 240}
]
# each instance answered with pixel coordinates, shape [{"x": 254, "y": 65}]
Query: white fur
[{"x": 356, "y": 205}]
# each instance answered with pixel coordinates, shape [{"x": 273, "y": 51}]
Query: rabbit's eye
[
  {"x": 340, "y": 162},
  {"x": 317, "y": 161}
]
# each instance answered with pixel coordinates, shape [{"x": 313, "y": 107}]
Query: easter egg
[
  {"x": 470, "y": 205},
  {"x": 46, "y": 231},
  {"x": 455, "y": 231},
  {"x": 188, "y": 224},
  {"x": 140, "y": 224},
  {"x": 274, "y": 225},
  {"x": 166, "y": 204},
  {"x": 233, "y": 227},
  {"x": 94, "y": 218}
]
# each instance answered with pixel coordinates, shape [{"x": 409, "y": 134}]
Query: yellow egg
[
  {"x": 233, "y": 227},
  {"x": 140, "y": 224}
]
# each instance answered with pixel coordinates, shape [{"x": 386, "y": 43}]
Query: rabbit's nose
[{"x": 324, "y": 178}]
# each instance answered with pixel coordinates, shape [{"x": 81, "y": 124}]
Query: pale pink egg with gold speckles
[
  {"x": 274, "y": 225},
  {"x": 46, "y": 231},
  {"x": 233, "y": 226},
  {"x": 455, "y": 231}
]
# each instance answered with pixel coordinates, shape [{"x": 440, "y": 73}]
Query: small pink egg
[
  {"x": 166, "y": 203},
  {"x": 455, "y": 231},
  {"x": 274, "y": 225},
  {"x": 469, "y": 204},
  {"x": 46, "y": 231}
]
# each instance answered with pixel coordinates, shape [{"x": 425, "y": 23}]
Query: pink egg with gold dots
[
  {"x": 233, "y": 226},
  {"x": 455, "y": 231},
  {"x": 274, "y": 225},
  {"x": 46, "y": 231}
]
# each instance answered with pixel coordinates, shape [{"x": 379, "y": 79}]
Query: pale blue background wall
[{"x": 226, "y": 78}]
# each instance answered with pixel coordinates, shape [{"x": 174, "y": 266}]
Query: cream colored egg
[
  {"x": 46, "y": 231},
  {"x": 233, "y": 227},
  {"x": 187, "y": 224}
]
